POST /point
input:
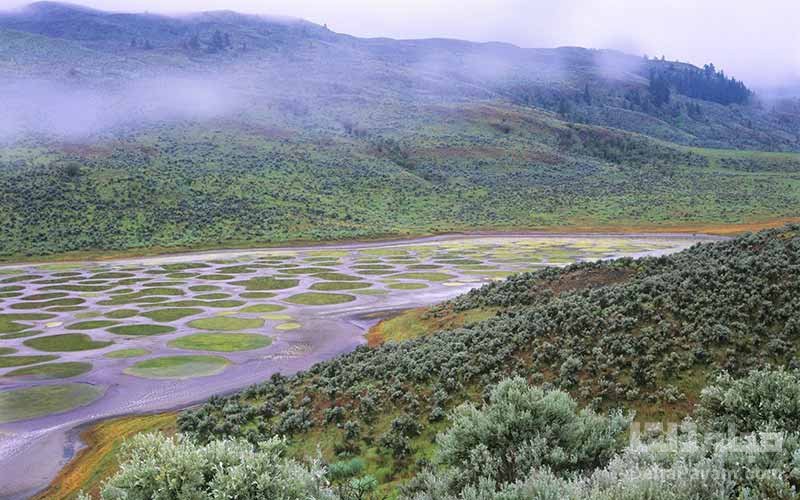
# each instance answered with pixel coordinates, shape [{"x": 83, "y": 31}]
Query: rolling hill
[{"x": 137, "y": 132}]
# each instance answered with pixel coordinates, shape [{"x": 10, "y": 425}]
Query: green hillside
[
  {"x": 135, "y": 132},
  {"x": 645, "y": 335},
  {"x": 448, "y": 168}
]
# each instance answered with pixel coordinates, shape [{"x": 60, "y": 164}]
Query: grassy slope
[
  {"x": 414, "y": 323},
  {"x": 377, "y": 143},
  {"x": 449, "y": 170}
]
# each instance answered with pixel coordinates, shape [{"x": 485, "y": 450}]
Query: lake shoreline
[
  {"x": 49, "y": 443},
  {"x": 303, "y": 245}
]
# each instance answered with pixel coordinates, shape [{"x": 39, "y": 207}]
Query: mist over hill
[
  {"x": 117, "y": 69},
  {"x": 125, "y": 131}
]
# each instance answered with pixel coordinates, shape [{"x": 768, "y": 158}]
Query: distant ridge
[{"x": 123, "y": 132}]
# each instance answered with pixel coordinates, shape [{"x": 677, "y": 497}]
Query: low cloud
[
  {"x": 73, "y": 111},
  {"x": 755, "y": 41}
]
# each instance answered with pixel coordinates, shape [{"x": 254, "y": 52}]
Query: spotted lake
[{"x": 90, "y": 340}]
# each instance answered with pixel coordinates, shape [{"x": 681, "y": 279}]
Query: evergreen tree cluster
[
  {"x": 219, "y": 42},
  {"x": 707, "y": 84}
]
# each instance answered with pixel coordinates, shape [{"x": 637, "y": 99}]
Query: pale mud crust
[{"x": 182, "y": 281}]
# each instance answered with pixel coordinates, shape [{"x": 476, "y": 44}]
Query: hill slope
[
  {"x": 133, "y": 131},
  {"x": 643, "y": 334}
]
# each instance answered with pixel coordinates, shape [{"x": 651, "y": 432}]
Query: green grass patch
[
  {"x": 180, "y": 276},
  {"x": 319, "y": 299},
  {"x": 10, "y": 323},
  {"x": 130, "y": 281},
  {"x": 288, "y": 326},
  {"x": 12, "y": 361},
  {"x": 383, "y": 251},
  {"x": 66, "y": 308},
  {"x": 226, "y": 323},
  {"x": 143, "y": 296},
  {"x": 80, "y": 288},
  {"x": 163, "y": 284},
  {"x": 307, "y": 270},
  {"x": 4, "y": 351},
  {"x": 337, "y": 277},
  {"x": 222, "y": 304},
  {"x": 92, "y": 324},
  {"x": 204, "y": 288},
  {"x": 21, "y": 278},
  {"x": 460, "y": 262},
  {"x": 329, "y": 286},
  {"x": 73, "y": 301},
  {"x": 257, "y": 295},
  {"x": 45, "y": 296},
  {"x": 415, "y": 323},
  {"x": 126, "y": 353},
  {"x": 171, "y": 313},
  {"x": 212, "y": 296},
  {"x": 141, "y": 330},
  {"x": 277, "y": 317},
  {"x": 112, "y": 275},
  {"x": 32, "y": 402},
  {"x": 266, "y": 283},
  {"x": 122, "y": 313},
  {"x": 262, "y": 308},
  {"x": 216, "y": 277},
  {"x": 52, "y": 370},
  {"x": 183, "y": 266},
  {"x": 221, "y": 342},
  {"x": 66, "y": 342},
  {"x": 178, "y": 367},
  {"x": 241, "y": 269},
  {"x": 19, "y": 335},
  {"x": 88, "y": 314}
]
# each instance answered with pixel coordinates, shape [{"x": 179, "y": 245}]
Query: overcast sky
[{"x": 758, "y": 41}]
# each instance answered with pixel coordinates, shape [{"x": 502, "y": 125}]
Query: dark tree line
[
  {"x": 219, "y": 42},
  {"x": 707, "y": 84}
]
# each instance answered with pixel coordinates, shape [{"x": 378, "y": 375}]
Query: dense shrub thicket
[
  {"x": 695, "y": 462},
  {"x": 155, "y": 467},
  {"x": 616, "y": 333},
  {"x": 522, "y": 428},
  {"x": 524, "y": 443}
]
